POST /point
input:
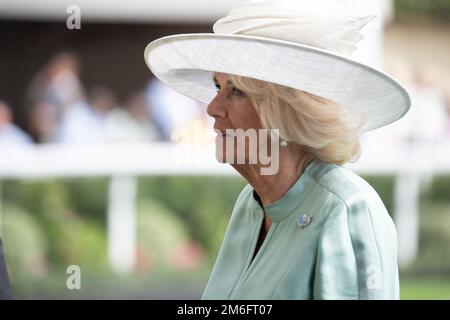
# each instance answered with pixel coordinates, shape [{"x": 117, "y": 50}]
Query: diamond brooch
[{"x": 304, "y": 221}]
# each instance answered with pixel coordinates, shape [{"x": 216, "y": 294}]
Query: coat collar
[{"x": 288, "y": 203}]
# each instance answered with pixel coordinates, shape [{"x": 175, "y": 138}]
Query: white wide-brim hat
[{"x": 302, "y": 44}]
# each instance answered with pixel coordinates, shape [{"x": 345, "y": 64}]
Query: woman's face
[{"x": 232, "y": 109}]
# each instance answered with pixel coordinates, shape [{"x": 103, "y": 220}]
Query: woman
[{"x": 311, "y": 229}]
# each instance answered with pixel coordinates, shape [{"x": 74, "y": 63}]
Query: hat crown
[{"x": 332, "y": 25}]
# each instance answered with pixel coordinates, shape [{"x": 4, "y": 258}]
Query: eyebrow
[{"x": 215, "y": 81}]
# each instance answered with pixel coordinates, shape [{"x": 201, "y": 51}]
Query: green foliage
[
  {"x": 81, "y": 242},
  {"x": 434, "y": 253},
  {"x": 429, "y": 288},
  {"x": 160, "y": 232},
  {"x": 439, "y": 190},
  {"x": 430, "y": 10},
  {"x": 45, "y": 199},
  {"x": 384, "y": 186},
  {"x": 203, "y": 203},
  {"x": 63, "y": 221},
  {"x": 24, "y": 242},
  {"x": 89, "y": 197},
  {"x": 69, "y": 238},
  {"x": 212, "y": 219}
]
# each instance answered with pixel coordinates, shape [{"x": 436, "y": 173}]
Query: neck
[{"x": 271, "y": 188}]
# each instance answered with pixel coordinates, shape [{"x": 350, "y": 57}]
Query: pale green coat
[{"x": 348, "y": 251}]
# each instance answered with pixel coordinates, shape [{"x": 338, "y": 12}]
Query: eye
[{"x": 236, "y": 92}]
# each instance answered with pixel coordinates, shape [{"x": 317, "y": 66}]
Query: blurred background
[{"x": 104, "y": 167}]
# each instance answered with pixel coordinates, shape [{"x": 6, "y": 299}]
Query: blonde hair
[{"x": 326, "y": 130}]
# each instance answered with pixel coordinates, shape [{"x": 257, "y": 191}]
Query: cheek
[
  {"x": 244, "y": 116},
  {"x": 240, "y": 116}
]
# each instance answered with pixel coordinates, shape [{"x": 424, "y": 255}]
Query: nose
[{"x": 216, "y": 107}]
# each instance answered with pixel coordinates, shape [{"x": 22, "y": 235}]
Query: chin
[
  {"x": 232, "y": 156},
  {"x": 220, "y": 155}
]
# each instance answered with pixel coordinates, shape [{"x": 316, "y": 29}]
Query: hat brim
[{"x": 186, "y": 63}]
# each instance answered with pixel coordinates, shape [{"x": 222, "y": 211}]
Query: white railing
[{"x": 123, "y": 163}]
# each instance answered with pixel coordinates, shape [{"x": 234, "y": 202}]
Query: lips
[
  {"x": 221, "y": 132},
  {"x": 223, "y": 135}
]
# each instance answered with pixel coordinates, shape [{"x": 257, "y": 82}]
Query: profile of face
[{"x": 240, "y": 133}]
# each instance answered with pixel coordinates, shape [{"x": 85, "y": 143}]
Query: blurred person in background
[
  {"x": 58, "y": 82},
  {"x": 10, "y": 134},
  {"x": 132, "y": 123},
  {"x": 170, "y": 110},
  {"x": 53, "y": 91},
  {"x": 43, "y": 122},
  {"x": 84, "y": 122},
  {"x": 312, "y": 229}
]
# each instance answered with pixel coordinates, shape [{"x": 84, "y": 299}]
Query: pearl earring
[{"x": 283, "y": 143}]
